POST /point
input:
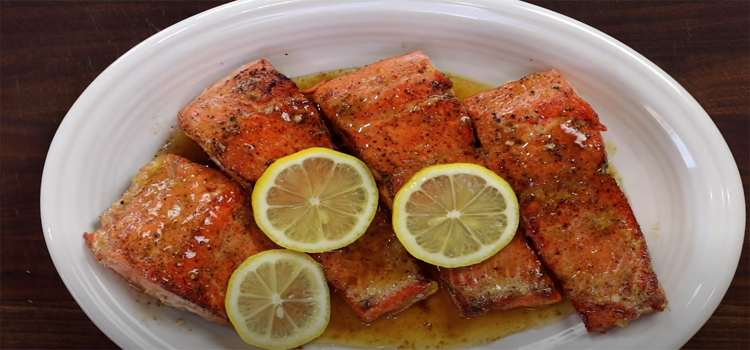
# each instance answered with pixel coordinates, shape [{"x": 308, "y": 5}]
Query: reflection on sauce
[
  {"x": 465, "y": 87},
  {"x": 611, "y": 149},
  {"x": 433, "y": 323},
  {"x": 308, "y": 81},
  {"x": 180, "y": 144}
]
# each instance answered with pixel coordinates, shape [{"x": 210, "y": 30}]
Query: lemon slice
[
  {"x": 278, "y": 299},
  {"x": 315, "y": 200},
  {"x": 455, "y": 215}
]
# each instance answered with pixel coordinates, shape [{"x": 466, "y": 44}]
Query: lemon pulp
[
  {"x": 278, "y": 299},
  {"x": 315, "y": 200},
  {"x": 455, "y": 215}
]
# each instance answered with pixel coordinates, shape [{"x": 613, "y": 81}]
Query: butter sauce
[
  {"x": 433, "y": 323},
  {"x": 180, "y": 144}
]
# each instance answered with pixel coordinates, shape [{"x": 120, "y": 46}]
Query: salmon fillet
[
  {"x": 259, "y": 106},
  {"x": 386, "y": 280},
  {"x": 250, "y": 118},
  {"x": 399, "y": 116},
  {"x": 178, "y": 233},
  {"x": 545, "y": 140},
  {"x": 512, "y": 278}
]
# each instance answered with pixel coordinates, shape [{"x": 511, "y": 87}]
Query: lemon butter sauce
[{"x": 434, "y": 323}]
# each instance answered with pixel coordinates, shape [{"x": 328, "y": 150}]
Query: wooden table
[{"x": 52, "y": 50}]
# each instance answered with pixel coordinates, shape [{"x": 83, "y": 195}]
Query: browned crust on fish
[
  {"x": 178, "y": 233},
  {"x": 375, "y": 274},
  {"x": 542, "y": 137},
  {"x": 399, "y": 116},
  {"x": 504, "y": 281},
  {"x": 260, "y": 107},
  {"x": 251, "y": 118}
]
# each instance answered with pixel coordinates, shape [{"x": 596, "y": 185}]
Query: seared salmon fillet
[
  {"x": 178, "y": 233},
  {"x": 399, "y": 116},
  {"x": 259, "y": 115},
  {"x": 386, "y": 279},
  {"x": 512, "y": 278},
  {"x": 545, "y": 140},
  {"x": 250, "y": 118}
]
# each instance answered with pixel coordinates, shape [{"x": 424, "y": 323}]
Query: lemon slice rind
[
  {"x": 306, "y": 331},
  {"x": 487, "y": 249}
]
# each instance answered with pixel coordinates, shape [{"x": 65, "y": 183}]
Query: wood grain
[{"x": 51, "y": 51}]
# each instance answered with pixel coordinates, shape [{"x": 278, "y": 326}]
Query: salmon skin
[
  {"x": 545, "y": 140},
  {"x": 250, "y": 118},
  {"x": 399, "y": 116},
  {"x": 178, "y": 233},
  {"x": 385, "y": 279},
  {"x": 259, "y": 106}
]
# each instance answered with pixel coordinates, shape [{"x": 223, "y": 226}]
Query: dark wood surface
[{"x": 51, "y": 50}]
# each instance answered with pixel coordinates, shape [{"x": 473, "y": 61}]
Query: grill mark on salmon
[
  {"x": 545, "y": 140},
  {"x": 259, "y": 106},
  {"x": 178, "y": 233},
  {"x": 399, "y": 116}
]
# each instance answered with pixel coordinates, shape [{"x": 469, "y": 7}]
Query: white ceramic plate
[{"x": 676, "y": 168}]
